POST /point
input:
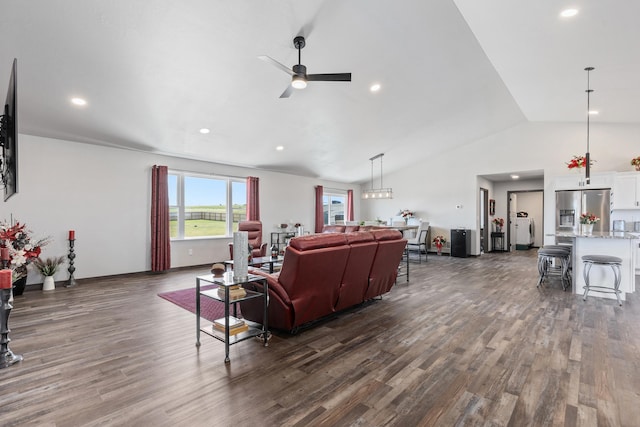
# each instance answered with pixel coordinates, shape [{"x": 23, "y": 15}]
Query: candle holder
[
  {"x": 7, "y": 358},
  {"x": 71, "y": 269}
]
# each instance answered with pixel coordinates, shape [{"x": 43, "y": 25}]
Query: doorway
[{"x": 521, "y": 233}]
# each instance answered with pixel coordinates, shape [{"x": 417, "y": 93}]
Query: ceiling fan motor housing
[{"x": 300, "y": 69}]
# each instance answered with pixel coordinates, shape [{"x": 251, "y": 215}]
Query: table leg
[
  {"x": 226, "y": 321},
  {"x": 265, "y": 319},
  {"x": 197, "y": 312}
]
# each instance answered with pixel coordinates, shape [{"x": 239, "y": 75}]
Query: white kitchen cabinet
[
  {"x": 626, "y": 191},
  {"x": 576, "y": 181}
]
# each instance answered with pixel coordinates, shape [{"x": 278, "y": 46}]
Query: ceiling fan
[{"x": 298, "y": 72}]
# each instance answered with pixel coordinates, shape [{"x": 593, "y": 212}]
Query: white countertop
[{"x": 600, "y": 235}]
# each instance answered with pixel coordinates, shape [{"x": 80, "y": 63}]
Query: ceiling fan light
[{"x": 299, "y": 82}]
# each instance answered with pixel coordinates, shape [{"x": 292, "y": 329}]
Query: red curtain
[
  {"x": 319, "y": 209},
  {"x": 160, "y": 240},
  {"x": 253, "y": 198},
  {"x": 350, "y": 205}
]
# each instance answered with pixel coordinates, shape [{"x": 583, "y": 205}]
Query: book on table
[
  {"x": 235, "y": 325},
  {"x": 235, "y": 292}
]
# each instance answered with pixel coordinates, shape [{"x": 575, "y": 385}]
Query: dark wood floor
[{"x": 466, "y": 342}]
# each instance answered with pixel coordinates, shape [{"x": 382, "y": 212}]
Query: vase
[
  {"x": 587, "y": 229},
  {"x": 49, "y": 284},
  {"x": 498, "y": 228},
  {"x": 637, "y": 167},
  {"x": 439, "y": 248},
  {"x": 19, "y": 286}
]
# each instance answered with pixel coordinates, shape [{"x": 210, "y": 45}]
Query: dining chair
[{"x": 420, "y": 241}]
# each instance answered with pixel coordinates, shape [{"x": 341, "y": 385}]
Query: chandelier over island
[{"x": 381, "y": 192}]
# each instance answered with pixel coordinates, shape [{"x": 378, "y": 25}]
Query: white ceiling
[{"x": 155, "y": 72}]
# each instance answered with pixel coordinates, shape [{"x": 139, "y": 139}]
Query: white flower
[{"x": 18, "y": 258}]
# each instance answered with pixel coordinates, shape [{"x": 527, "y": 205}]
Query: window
[
  {"x": 333, "y": 208},
  {"x": 205, "y": 206}
]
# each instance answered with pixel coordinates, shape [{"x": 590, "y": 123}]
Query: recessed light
[
  {"x": 280, "y": 147},
  {"x": 568, "y": 13},
  {"x": 375, "y": 87},
  {"x": 78, "y": 101},
  {"x": 515, "y": 176},
  {"x": 204, "y": 131},
  {"x": 594, "y": 112}
]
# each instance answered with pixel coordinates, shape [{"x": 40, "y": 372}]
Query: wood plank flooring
[{"x": 465, "y": 342}]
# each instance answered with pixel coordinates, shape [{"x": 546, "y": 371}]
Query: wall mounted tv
[{"x": 9, "y": 138}]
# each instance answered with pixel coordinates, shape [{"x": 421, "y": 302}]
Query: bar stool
[
  {"x": 547, "y": 255},
  {"x": 603, "y": 260}
]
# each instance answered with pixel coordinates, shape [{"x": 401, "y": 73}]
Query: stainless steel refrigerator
[{"x": 570, "y": 204}]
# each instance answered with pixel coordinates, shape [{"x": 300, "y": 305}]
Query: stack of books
[
  {"x": 235, "y": 292},
  {"x": 236, "y": 325}
]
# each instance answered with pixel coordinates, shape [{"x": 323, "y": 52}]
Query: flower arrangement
[
  {"x": 48, "y": 267},
  {"x": 405, "y": 213},
  {"x": 439, "y": 241},
  {"x": 498, "y": 221},
  {"x": 588, "y": 218},
  {"x": 578, "y": 162},
  {"x": 636, "y": 162},
  {"x": 22, "y": 247}
]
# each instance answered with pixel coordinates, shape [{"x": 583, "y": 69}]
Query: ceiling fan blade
[
  {"x": 337, "y": 77},
  {"x": 275, "y": 63},
  {"x": 287, "y": 92}
]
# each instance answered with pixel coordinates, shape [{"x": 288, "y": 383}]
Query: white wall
[
  {"x": 435, "y": 187},
  {"x": 104, "y": 194}
]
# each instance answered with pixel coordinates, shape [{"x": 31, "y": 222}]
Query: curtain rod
[
  {"x": 207, "y": 173},
  {"x": 335, "y": 189}
]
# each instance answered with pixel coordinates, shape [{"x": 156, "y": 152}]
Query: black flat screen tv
[{"x": 9, "y": 137}]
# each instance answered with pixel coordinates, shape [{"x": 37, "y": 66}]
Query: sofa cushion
[
  {"x": 387, "y": 234},
  {"x": 333, "y": 229},
  {"x": 359, "y": 237},
  {"x": 316, "y": 241},
  {"x": 351, "y": 228}
]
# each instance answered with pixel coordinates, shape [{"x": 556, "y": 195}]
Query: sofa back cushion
[
  {"x": 317, "y": 241},
  {"x": 355, "y": 280},
  {"x": 384, "y": 269},
  {"x": 351, "y": 228},
  {"x": 311, "y": 274},
  {"x": 333, "y": 229}
]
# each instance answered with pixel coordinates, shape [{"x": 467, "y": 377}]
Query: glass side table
[{"x": 225, "y": 282}]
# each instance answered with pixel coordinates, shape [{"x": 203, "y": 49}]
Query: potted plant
[
  {"x": 587, "y": 220},
  {"x": 578, "y": 162},
  {"x": 19, "y": 248},
  {"x": 499, "y": 223},
  {"x": 636, "y": 163},
  {"x": 439, "y": 241},
  {"x": 48, "y": 268}
]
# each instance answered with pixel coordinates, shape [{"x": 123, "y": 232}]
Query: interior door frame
[{"x": 484, "y": 225}]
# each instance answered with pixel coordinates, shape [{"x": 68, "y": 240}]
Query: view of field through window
[{"x": 198, "y": 206}]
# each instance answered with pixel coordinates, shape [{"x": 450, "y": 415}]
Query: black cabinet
[{"x": 460, "y": 243}]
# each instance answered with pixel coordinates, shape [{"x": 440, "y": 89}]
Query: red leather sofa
[{"x": 324, "y": 273}]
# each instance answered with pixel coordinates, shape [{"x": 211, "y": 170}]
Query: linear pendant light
[
  {"x": 377, "y": 193},
  {"x": 587, "y": 156}
]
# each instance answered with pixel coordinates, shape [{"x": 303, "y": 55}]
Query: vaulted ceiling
[{"x": 154, "y": 73}]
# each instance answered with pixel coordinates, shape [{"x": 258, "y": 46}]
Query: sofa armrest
[{"x": 274, "y": 284}]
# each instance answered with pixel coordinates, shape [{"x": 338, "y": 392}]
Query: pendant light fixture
[
  {"x": 377, "y": 193},
  {"x": 587, "y": 156}
]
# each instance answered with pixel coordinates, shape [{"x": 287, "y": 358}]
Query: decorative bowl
[{"x": 217, "y": 270}]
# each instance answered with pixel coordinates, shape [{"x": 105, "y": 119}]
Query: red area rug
[{"x": 210, "y": 309}]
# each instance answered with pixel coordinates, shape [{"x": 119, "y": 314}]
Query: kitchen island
[{"x": 620, "y": 244}]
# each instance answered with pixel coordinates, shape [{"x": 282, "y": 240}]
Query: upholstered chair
[{"x": 254, "y": 230}]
